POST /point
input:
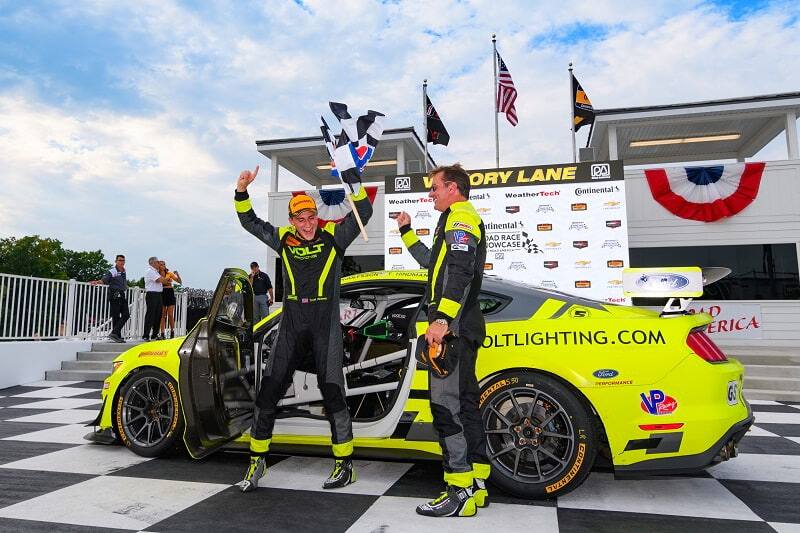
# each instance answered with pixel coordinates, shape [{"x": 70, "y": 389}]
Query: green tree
[{"x": 47, "y": 258}]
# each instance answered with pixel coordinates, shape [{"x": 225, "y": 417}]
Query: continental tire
[
  {"x": 147, "y": 415},
  {"x": 541, "y": 439}
]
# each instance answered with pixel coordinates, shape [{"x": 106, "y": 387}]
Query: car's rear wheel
[
  {"x": 541, "y": 439},
  {"x": 147, "y": 414}
]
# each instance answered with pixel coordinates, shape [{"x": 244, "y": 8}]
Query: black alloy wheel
[
  {"x": 540, "y": 438},
  {"x": 147, "y": 415}
]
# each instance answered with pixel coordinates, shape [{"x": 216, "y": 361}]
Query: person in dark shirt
[
  {"x": 262, "y": 288},
  {"x": 117, "y": 282}
]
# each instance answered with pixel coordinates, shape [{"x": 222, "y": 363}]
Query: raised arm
[
  {"x": 261, "y": 229},
  {"x": 347, "y": 230}
]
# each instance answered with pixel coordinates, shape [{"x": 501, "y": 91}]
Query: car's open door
[{"x": 216, "y": 387}]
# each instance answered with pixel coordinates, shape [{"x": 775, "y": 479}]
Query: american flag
[{"x": 506, "y": 92}]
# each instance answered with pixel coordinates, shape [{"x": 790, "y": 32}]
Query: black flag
[
  {"x": 584, "y": 112},
  {"x": 437, "y": 134}
]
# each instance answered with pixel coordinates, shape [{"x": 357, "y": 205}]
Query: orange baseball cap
[{"x": 301, "y": 202}]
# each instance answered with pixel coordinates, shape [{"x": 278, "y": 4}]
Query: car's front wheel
[
  {"x": 147, "y": 414},
  {"x": 541, "y": 439}
]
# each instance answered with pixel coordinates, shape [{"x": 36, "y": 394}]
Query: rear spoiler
[{"x": 674, "y": 283}]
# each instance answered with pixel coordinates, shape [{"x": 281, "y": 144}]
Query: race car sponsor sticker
[
  {"x": 462, "y": 225},
  {"x": 461, "y": 247},
  {"x": 153, "y": 353},
  {"x": 656, "y": 402},
  {"x": 733, "y": 392},
  {"x": 461, "y": 237}
]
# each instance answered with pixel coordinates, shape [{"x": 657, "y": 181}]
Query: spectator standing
[
  {"x": 168, "y": 298},
  {"x": 117, "y": 281},
  {"x": 262, "y": 288},
  {"x": 153, "y": 286}
]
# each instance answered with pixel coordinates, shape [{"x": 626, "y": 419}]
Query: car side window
[{"x": 491, "y": 303}]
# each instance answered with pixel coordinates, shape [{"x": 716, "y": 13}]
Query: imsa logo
[
  {"x": 583, "y": 284},
  {"x": 579, "y": 207},
  {"x": 601, "y": 171},
  {"x": 422, "y": 232},
  {"x": 402, "y": 184},
  {"x": 615, "y": 263},
  {"x": 394, "y": 250},
  {"x": 544, "y": 227}
]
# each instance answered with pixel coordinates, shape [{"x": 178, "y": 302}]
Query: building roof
[
  {"x": 742, "y": 126},
  {"x": 400, "y": 151}
]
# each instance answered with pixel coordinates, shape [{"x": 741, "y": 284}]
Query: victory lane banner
[{"x": 560, "y": 226}]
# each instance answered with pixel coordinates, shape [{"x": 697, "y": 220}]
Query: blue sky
[{"x": 124, "y": 125}]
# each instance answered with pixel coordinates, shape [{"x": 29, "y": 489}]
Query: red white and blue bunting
[
  {"x": 708, "y": 193},
  {"x": 332, "y": 205}
]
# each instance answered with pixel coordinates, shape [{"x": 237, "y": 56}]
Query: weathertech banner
[{"x": 560, "y": 227}]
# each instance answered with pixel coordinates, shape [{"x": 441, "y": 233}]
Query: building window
[{"x": 758, "y": 271}]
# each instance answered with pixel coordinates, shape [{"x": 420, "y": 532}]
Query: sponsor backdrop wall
[{"x": 556, "y": 226}]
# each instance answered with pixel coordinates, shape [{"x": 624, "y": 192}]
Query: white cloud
[{"x": 216, "y": 78}]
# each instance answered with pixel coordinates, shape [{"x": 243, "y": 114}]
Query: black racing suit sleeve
[
  {"x": 347, "y": 229},
  {"x": 260, "y": 229},
  {"x": 418, "y": 250},
  {"x": 458, "y": 269}
]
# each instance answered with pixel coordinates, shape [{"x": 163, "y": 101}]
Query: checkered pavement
[{"x": 52, "y": 480}]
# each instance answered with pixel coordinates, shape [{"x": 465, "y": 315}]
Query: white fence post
[{"x": 70, "y": 314}]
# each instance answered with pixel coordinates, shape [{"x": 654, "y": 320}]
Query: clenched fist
[
  {"x": 402, "y": 219},
  {"x": 246, "y": 178}
]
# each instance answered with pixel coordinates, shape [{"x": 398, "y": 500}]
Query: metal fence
[{"x": 39, "y": 308}]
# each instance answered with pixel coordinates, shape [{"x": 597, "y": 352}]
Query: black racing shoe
[
  {"x": 255, "y": 471},
  {"x": 343, "y": 474},
  {"x": 480, "y": 493},
  {"x": 455, "y": 501}
]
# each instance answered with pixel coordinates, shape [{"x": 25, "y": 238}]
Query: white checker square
[
  {"x": 64, "y": 416},
  {"x": 759, "y": 467},
  {"x": 763, "y": 402},
  {"x": 55, "y": 392},
  {"x": 777, "y": 418},
  {"x": 308, "y": 473},
  {"x": 90, "y": 459},
  {"x": 781, "y": 527},
  {"x": 67, "y": 434},
  {"x": 756, "y": 431},
  {"x": 50, "y": 383},
  {"x": 114, "y": 502},
  {"x": 398, "y": 515},
  {"x": 700, "y": 497},
  {"x": 60, "y": 403}
]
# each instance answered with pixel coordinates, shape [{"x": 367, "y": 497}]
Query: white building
[{"x": 761, "y": 244}]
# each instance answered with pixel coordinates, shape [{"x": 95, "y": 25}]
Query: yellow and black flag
[{"x": 584, "y": 112}]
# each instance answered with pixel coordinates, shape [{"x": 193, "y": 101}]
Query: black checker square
[
  {"x": 13, "y": 525},
  {"x": 19, "y": 389},
  {"x": 11, "y": 401},
  {"x": 8, "y": 413},
  {"x": 585, "y": 520},
  {"x": 12, "y": 429},
  {"x": 774, "y": 409},
  {"x": 221, "y": 467},
  {"x": 16, "y": 450},
  {"x": 268, "y": 509},
  {"x": 784, "y": 430},
  {"x": 20, "y": 485},
  {"x": 86, "y": 385},
  {"x": 769, "y": 445},
  {"x": 770, "y": 500}
]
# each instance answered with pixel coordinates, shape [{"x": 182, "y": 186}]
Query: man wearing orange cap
[{"x": 312, "y": 260}]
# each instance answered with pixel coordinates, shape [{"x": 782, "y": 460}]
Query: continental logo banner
[
  {"x": 562, "y": 227},
  {"x": 592, "y": 172}
]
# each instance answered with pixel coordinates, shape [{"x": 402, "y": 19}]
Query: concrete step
[
  {"x": 113, "y": 346},
  {"x": 777, "y": 371},
  {"x": 772, "y": 383},
  {"x": 766, "y": 359},
  {"x": 780, "y": 396},
  {"x": 97, "y": 356},
  {"x": 76, "y": 375},
  {"x": 87, "y": 365}
]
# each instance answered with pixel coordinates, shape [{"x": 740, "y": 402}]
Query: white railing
[{"x": 39, "y": 308}]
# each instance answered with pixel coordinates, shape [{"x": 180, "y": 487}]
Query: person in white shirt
[{"x": 153, "y": 286}]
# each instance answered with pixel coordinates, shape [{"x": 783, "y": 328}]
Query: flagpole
[
  {"x": 425, "y": 120},
  {"x": 572, "y": 115},
  {"x": 494, "y": 105}
]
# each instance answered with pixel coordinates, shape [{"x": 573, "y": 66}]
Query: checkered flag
[{"x": 529, "y": 246}]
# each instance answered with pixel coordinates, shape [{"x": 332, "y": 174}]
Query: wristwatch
[{"x": 442, "y": 321}]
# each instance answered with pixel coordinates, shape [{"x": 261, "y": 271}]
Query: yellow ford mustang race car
[{"x": 565, "y": 382}]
